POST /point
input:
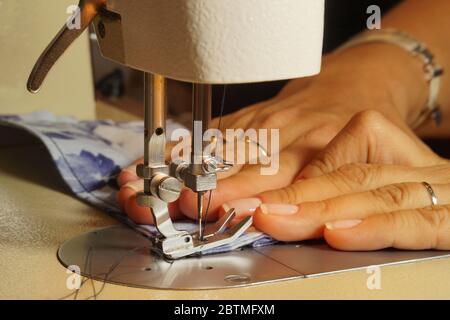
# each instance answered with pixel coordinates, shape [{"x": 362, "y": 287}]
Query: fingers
[
  {"x": 127, "y": 190},
  {"x": 347, "y": 179},
  {"x": 354, "y": 178},
  {"x": 298, "y": 146},
  {"x": 418, "y": 229},
  {"x": 128, "y": 174},
  {"x": 243, "y": 185},
  {"x": 309, "y": 220},
  {"x": 370, "y": 138},
  {"x": 246, "y": 183}
]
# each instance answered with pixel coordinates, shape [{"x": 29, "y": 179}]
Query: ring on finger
[{"x": 434, "y": 198}]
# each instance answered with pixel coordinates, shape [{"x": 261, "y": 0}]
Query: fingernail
[
  {"x": 342, "y": 224},
  {"x": 242, "y": 206},
  {"x": 279, "y": 209},
  {"x": 137, "y": 185}
]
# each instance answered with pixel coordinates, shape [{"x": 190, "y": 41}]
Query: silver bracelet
[{"x": 433, "y": 71}]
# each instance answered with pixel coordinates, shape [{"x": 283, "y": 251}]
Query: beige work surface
[
  {"x": 37, "y": 214},
  {"x": 27, "y": 27}
]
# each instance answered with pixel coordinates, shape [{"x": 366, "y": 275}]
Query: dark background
[{"x": 343, "y": 19}]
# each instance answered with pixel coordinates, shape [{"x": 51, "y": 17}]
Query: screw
[
  {"x": 169, "y": 189},
  {"x": 237, "y": 278},
  {"x": 101, "y": 29}
]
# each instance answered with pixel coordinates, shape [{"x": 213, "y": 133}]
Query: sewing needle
[{"x": 200, "y": 214}]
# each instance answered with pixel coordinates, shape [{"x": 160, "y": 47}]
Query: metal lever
[
  {"x": 159, "y": 187},
  {"x": 89, "y": 9},
  {"x": 221, "y": 225},
  {"x": 217, "y": 235},
  {"x": 216, "y": 165}
]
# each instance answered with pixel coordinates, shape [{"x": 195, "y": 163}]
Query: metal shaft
[
  {"x": 201, "y": 122},
  {"x": 200, "y": 215},
  {"x": 154, "y": 121}
]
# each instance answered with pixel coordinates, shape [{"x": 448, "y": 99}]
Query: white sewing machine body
[{"x": 215, "y": 41}]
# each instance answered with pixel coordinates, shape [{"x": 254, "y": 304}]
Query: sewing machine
[{"x": 204, "y": 42}]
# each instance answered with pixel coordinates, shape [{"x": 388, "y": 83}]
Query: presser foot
[{"x": 214, "y": 236}]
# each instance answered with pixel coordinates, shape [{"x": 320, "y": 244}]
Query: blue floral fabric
[{"x": 90, "y": 154}]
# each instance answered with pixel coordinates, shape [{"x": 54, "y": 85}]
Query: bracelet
[{"x": 433, "y": 71}]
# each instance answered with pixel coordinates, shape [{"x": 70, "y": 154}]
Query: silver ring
[
  {"x": 429, "y": 188},
  {"x": 261, "y": 149}
]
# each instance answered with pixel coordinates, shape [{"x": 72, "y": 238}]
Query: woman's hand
[
  {"x": 364, "y": 191},
  {"x": 308, "y": 113}
]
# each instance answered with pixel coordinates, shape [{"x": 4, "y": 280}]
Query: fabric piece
[{"x": 90, "y": 154}]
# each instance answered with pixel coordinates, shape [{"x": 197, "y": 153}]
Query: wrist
[{"x": 385, "y": 77}]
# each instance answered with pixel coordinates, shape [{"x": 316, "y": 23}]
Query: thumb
[{"x": 418, "y": 229}]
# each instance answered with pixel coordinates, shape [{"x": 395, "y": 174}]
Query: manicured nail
[
  {"x": 279, "y": 209},
  {"x": 242, "y": 206},
  {"x": 342, "y": 224},
  {"x": 137, "y": 185}
]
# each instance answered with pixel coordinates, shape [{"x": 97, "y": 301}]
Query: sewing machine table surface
[{"x": 38, "y": 214}]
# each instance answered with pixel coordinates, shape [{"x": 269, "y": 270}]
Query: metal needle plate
[
  {"x": 120, "y": 255},
  {"x": 316, "y": 258}
]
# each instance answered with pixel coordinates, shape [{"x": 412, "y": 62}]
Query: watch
[{"x": 433, "y": 72}]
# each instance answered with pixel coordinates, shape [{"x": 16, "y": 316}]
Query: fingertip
[
  {"x": 300, "y": 177},
  {"x": 336, "y": 239},
  {"x": 128, "y": 174},
  {"x": 260, "y": 220},
  {"x": 125, "y": 176},
  {"x": 128, "y": 190},
  {"x": 286, "y": 226},
  {"x": 310, "y": 171},
  {"x": 123, "y": 195},
  {"x": 140, "y": 215},
  {"x": 270, "y": 225},
  {"x": 358, "y": 238}
]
